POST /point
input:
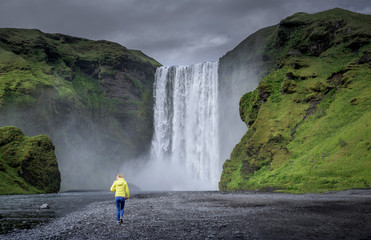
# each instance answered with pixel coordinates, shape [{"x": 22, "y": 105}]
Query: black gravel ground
[{"x": 217, "y": 215}]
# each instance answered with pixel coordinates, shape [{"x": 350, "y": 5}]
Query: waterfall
[{"x": 186, "y": 138}]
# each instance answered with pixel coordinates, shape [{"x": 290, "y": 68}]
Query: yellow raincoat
[{"x": 121, "y": 188}]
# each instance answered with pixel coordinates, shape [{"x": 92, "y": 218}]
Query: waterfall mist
[{"x": 232, "y": 86}]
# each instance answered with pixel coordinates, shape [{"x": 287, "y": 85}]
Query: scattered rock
[
  {"x": 294, "y": 52},
  {"x": 364, "y": 59},
  {"x": 354, "y": 101},
  {"x": 288, "y": 87},
  {"x": 298, "y": 65},
  {"x": 290, "y": 76},
  {"x": 337, "y": 78},
  {"x": 44, "y": 206},
  {"x": 214, "y": 215}
]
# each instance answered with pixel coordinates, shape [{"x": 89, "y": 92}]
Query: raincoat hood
[{"x": 120, "y": 182}]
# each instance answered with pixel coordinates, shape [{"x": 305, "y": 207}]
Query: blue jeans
[{"x": 120, "y": 204}]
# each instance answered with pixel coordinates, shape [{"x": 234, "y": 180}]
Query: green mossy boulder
[{"x": 27, "y": 164}]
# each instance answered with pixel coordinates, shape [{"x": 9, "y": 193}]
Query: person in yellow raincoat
[{"x": 122, "y": 193}]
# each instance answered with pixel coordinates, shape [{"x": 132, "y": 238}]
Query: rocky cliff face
[
  {"x": 93, "y": 98},
  {"x": 27, "y": 165},
  {"x": 240, "y": 71},
  {"x": 307, "y": 119}
]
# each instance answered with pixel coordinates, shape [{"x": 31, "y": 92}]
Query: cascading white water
[{"x": 186, "y": 134}]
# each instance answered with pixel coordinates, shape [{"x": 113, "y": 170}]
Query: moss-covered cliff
[
  {"x": 93, "y": 98},
  {"x": 27, "y": 164},
  {"x": 308, "y": 120}
]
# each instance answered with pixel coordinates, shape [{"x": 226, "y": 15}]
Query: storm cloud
[{"x": 173, "y": 32}]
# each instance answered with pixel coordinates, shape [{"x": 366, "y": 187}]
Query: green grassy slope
[
  {"x": 30, "y": 59},
  {"x": 309, "y": 127},
  {"x": 93, "y": 98},
  {"x": 27, "y": 165}
]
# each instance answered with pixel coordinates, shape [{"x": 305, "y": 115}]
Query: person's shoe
[
  {"x": 121, "y": 220},
  {"x": 118, "y": 222}
]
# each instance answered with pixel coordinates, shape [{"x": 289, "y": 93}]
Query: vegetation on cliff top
[
  {"x": 74, "y": 67},
  {"x": 308, "y": 119},
  {"x": 27, "y": 164}
]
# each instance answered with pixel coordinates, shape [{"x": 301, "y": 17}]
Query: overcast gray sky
[{"x": 174, "y": 32}]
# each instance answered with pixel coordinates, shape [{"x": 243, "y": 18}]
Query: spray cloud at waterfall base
[{"x": 185, "y": 146}]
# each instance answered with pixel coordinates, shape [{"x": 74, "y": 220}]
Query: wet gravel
[
  {"x": 216, "y": 215},
  {"x": 23, "y": 211}
]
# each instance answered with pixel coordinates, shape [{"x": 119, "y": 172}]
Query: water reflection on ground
[{"x": 23, "y": 211}]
